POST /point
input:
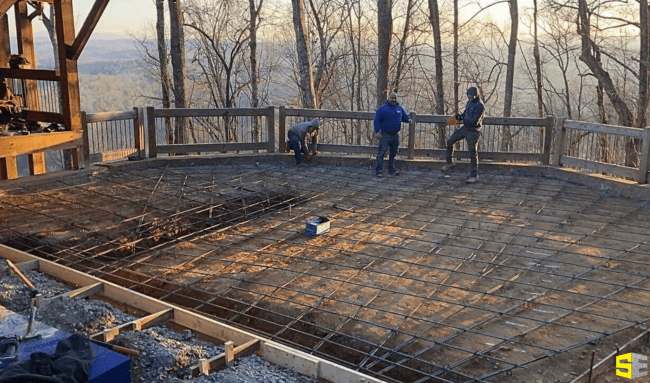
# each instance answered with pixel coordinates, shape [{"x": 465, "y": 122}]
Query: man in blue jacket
[
  {"x": 388, "y": 122},
  {"x": 472, "y": 119}
]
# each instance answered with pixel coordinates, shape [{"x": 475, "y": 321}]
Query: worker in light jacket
[
  {"x": 472, "y": 119},
  {"x": 299, "y": 135},
  {"x": 388, "y": 123}
]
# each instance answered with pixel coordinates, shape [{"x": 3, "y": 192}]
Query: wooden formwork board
[{"x": 271, "y": 351}]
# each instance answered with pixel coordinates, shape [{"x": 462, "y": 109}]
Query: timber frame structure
[{"x": 66, "y": 79}]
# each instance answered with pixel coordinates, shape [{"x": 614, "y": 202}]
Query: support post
[
  {"x": 151, "y": 131},
  {"x": 644, "y": 164},
  {"x": 282, "y": 129},
  {"x": 8, "y": 168},
  {"x": 25, "y": 37},
  {"x": 229, "y": 347},
  {"x": 138, "y": 130},
  {"x": 65, "y": 35},
  {"x": 411, "y": 143},
  {"x": 270, "y": 125},
  {"x": 86, "y": 141},
  {"x": 36, "y": 163},
  {"x": 559, "y": 136},
  {"x": 548, "y": 139}
]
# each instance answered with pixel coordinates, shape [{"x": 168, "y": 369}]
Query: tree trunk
[
  {"x": 538, "y": 65},
  {"x": 456, "y": 59},
  {"x": 165, "y": 81},
  {"x": 255, "y": 92},
  {"x": 401, "y": 56},
  {"x": 434, "y": 18},
  {"x": 304, "y": 60},
  {"x": 385, "y": 32},
  {"x": 642, "y": 107},
  {"x": 506, "y": 143},
  {"x": 604, "y": 138},
  {"x": 178, "y": 63}
]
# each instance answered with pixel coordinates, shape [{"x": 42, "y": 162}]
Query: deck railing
[{"x": 613, "y": 150}]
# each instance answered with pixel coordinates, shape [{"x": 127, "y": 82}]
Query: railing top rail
[
  {"x": 111, "y": 116},
  {"x": 606, "y": 129},
  {"x": 188, "y": 112},
  {"x": 329, "y": 113}
]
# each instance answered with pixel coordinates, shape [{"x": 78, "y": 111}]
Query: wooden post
[
  {"x": 25, "y": 37},
  {"x": 411, "y": 144},
  {"x": 86, "y": 141},
  {"x": 270, "y": 125},
  {"x": 559, "y": 136},
  {"x": 138, "y": 130},
  {"x": 65, "y": 35},
  {"x": 8, "y": 168},
  {"x": 230, "y": 353},
  {"x": 36, "y": 163},
  {"x": 644, "y": 164},
  {"x": 151, "y": 131},
  {"x": 548, "y": 139},
  {"x": 282, "y": 129}
]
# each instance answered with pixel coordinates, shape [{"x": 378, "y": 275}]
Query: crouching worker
[{"x": 299, "y": 135}]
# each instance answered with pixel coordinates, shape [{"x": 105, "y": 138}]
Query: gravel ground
[{"x": 165, "y": 355}]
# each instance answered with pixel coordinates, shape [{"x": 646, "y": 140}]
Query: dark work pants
[
  {"x": 294, "y": 144},
  {"x": 387, "y": 141},
  {"x": 472, "y": 137}
]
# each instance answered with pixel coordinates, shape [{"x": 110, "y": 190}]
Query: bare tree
[
  {"x": 434, "y": 17},
  {"x": 163, "y": 58},
  {"x": 385, "y": 33},
  {"x": 177, "y": 44},
  {"x": 254, "y": 72},
  {"x": 304, "y": 59},
  {"x": 506, "y": 143}
]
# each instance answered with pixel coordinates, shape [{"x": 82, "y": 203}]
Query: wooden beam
[
  {"x": 17, "y": 145},
  {"x": 87, "y": 29},
  {"x": 225, "y": 358},
  {"x": 5, "y": 42},
  {"x": 30, "y": 74},
  {"x": 22, "y": 266},
  {"x": 8, "y": 168},
  {"x": 80, "y": 293},
  {"x": 36, "y": 163},
  {"x": 151, "y": 129},
  {"x": 154, "y": 319},
  {"x": 5, "y": 6},
  {"x": 34, "y": 115},
  {"x": 229, "y": 147},
  {"x": 25, "y": 35}
]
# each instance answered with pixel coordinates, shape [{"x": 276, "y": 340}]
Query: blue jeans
[
  {"x": 294, "y": 144},
  {"x": 472, "y": 137},
  {"x": 387, "y": 141}
]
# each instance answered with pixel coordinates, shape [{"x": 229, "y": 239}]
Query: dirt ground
[{"x": 517, "y": 278}]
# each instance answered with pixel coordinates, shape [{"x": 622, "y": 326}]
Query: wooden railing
[{"x": 613, "y": 150}]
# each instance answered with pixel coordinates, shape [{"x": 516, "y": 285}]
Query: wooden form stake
[
  {"x": 154, "y": 319},
  {"x": 225, "y": 359}
]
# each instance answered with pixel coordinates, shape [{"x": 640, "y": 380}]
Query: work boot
[
  {"x": 472, "y": 180},
  {"x": 393, "y": 172},
  {"x": 448, "y": 167},
  {"x": 379, "y": 174}
]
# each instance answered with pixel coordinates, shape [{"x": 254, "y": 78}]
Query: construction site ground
[{"x": 421, "y": 278}]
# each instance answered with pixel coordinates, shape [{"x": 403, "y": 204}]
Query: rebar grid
[{"x": 420, "y": 279}]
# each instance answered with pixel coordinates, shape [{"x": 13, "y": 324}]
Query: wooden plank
[
  {"x": 519, "y": 121},
  {"x": 138, "y": 131},
  {"x": 494, "y": 156},
  {"x": 411, "y": 139},
  {"x": 599, "y": 167},
  {"x": 548, "y": 139},
  {"x": 270, "y": 129},
  {"x": 22, "y": 266},
  {"x": 268, "y": 350},
  {"x": 431, "y": 119},
  {"x": 111, "y": 116},
  {"x": 36, "y": 163},
  {"x": 5, "y": 5},
  {"x": 8, "y": 167},
  {"x": 605, "y": 129},
  {"x": 111, "y": 155},
  {"x": 350, "y": 149},
  {"x": 330, "y": 114},
  {"x": 87, "y": 29},
  {"x": 282, "y": 130},
  {"x": 608, "y": 363},
  {"x": 644, "y": 164},
  {"x": 151, "y": 130},
  {"x": 222, "y": 360},
  {"x": 186, "y": 112},
  {"x": 30, "y": 74},
  {"x": 35, "y": 115},
  {"x": 229, "y": 147},
  {"x": 79, "y": 293},
  {"x": 5, "y": 42},
  {"x": 25, "y": 37},
  {"x": 559, "y": 135},
  {"x": 139, "y": 324},
  {"x": 17, "y": 145},
  {"x": 69, "y": 78}
]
